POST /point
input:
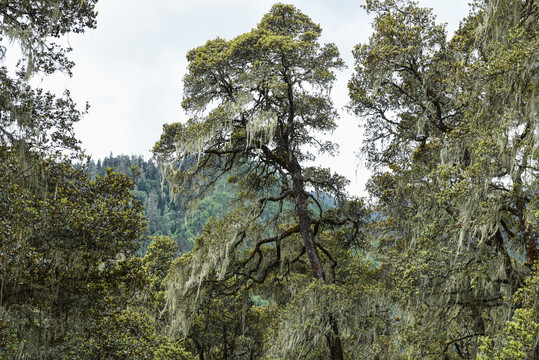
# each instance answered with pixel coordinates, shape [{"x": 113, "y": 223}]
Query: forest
[{"x": 230, "y": 244}]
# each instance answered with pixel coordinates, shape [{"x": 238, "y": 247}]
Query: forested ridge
[
  {"x": 165, "y": 212},
  {"x": 231, "y": 244}
]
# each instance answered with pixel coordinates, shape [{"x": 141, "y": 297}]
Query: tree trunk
[
  {"x": 527, "y": 236},
  {"x": 302, "y": 211},
  {"x": 225, "y": 345},
  {"x": 305, "y": 226},
  {"x": 334, "y": 342}
]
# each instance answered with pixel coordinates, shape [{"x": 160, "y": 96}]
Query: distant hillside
[{"x": 165, "y": 215}]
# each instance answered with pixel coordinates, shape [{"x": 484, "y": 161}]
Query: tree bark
[
  {"x": 302, "y": 210},
  {"x": 527, "y": 236},
  {"x": 305, "y": 226},
  {"x": 334, "y": 342},
  {"x": 333, "y": 339},
  {"x": 225, "y": 345}
]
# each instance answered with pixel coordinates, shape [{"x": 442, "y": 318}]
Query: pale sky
[{"x": 130, "y": 68}]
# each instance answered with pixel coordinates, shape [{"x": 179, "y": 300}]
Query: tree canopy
[
  {"x": 258, "y": 102},
  {"x": 72, "y": 285},
  {"x": 451, "y": 138},
  {"x": 231, "y": 244}
]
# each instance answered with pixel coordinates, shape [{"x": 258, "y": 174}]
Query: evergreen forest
[
  {"x": 166, "y": 214},
  {"x": 231, "y": 243}
]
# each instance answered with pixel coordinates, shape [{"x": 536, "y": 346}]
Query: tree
[
  {"x": 67, "y": 255},
  {"x": 68, "y": 244},
  {"x": 160, "y": 253},
  {"x": 30, "y": 117},
  {"x": 450, "y": 136},
  {"x": 33, "y": 26},
  {"x": 257, "y": 101}
]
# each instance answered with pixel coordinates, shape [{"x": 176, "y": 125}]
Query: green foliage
[
  {"x": 451, "y": 136},
  {"x": 518, "y": 338},
  {"x": 67, "y": 253},
  {"x": 167, "y": 214},
  {"x": 257, "y": 101},
  {"x": 228, "y": 327},
  {"x": 34, "y": 27},
  {"x": 127, "y": 335},
  {"x": 519, "y": 335},
  {"x": 160, "y": 254},
  {"x": 71, "y": 282},
  {"x": 161, "y": 251},
  {"x": 354, "y": 299}
]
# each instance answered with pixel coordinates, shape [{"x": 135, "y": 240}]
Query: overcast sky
[{"x": 130, "y": 68}]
